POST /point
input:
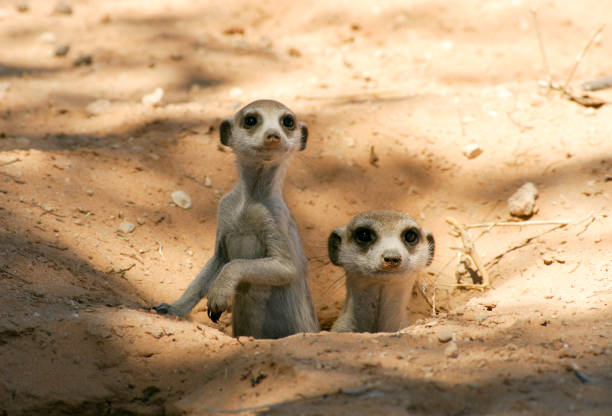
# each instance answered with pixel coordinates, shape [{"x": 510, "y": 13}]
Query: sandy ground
[{"x": 418, "y": 80}]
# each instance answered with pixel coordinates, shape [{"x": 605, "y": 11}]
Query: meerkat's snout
[
  {"x": 391, "y": 259},
  {"x": 272, "y": 139}
]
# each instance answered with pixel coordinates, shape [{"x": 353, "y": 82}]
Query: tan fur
[
  {"x": 258, "y": 261},
  {"x": 379, "y": 273}
]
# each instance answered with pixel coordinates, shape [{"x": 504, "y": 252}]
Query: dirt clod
[
  {"x": 471, "y": 151},
  {"x": 181, "y": 199},
  {"x": 62, "y": 50},
  {"x": 445, "y": 335},
  {"x": 522, "y": 202}
]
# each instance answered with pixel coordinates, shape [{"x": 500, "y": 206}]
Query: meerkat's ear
[
  {"x": 431, "y": 245},
  {"x": 304, "y": 137},
  {"x": 225, "y": 131},
  {"x": 333, "y": 245}
]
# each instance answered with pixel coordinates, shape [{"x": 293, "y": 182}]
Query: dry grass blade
[{"x": 470, "y": 250}]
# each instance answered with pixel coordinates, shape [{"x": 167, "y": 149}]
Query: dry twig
[
  {"x": 584, "y": 99},
  {"x": 580, "y": 55},
  {"x": 10, "y": 162},
  {"x": 515, "y": 224},
  {"x": 470, "y": 250},
  {"x": 542, "y": 50}
]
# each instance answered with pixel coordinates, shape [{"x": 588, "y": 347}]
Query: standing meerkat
[
  {"x": 258, "y": 258},
  {"x": 379, "y": 251}
]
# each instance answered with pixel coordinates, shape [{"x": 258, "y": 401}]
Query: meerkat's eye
[
  {"x": 364, "y": 235},
  {"x": 289, "y": 122},
  {"x": 249, "y": 121},
  {"x": 411, "y": 236}
]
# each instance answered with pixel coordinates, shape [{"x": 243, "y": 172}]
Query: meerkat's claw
[{"x": 214, "y": 315}]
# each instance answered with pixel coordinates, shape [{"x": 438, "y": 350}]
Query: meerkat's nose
[
  {"x": 391, "y": 259},
  {"x": 272, "y": 137}
]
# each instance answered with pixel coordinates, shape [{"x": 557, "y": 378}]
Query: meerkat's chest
[
  {"x": 244, "y": 245},
  {"x": 245, "y": 237}
]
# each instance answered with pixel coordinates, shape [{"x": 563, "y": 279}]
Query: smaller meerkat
[{"x": 379, "y": 251}]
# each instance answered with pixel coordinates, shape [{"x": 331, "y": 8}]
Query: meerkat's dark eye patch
[
  {"x": 412, "y": 236},
  {"x": 288, "y": 121},
  {"x": 363, "y": 235},
  {"x": 250, "y": 120}
]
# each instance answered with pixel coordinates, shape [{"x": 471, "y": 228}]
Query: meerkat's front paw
[
  {"x": 162, "y": 308},
  {"x": 218, "y": 300}
]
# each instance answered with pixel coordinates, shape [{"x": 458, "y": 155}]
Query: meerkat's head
[
  {"x": 381, "y": 245},
  {"x": 264, "y": 130}
]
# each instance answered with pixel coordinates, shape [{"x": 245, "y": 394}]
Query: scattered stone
[
  {"x": 62, "y": 50},
  {"x": 235, "y": 92},
  {"x": 522, "y": 202},
  {"x": 598, "y": 84},
  {"x": 481, "y": 317},
  {"x": 207, "y": 182},
  {"x": 63, "y": 8},
  {"x": 452, "y": 351},
  {"x": 89, "y": 192},
  {"x": 23, "y": 6},
  {"x": 445, "y": 335},
  {"x": 234, "y": 30},
  {"x": 181, "y": 199},
  {"x": 97, "y": 107},
  {"x": 608, "y": 178},
  {"x": 567, "y": 352},
  {"x": 140, "y": 221},
  {"x": 154, "y": 98},
  {"x": 83, "y": 60},
  {"x": 126, "y": 227},
  {"x": 294, "y": 52},
  {"x": 47, "y": 37},
  {"x": 547, "y": 259},
  {"x": 471, "y": 151}
]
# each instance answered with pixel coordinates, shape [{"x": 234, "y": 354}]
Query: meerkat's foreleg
[
  {"x": 196, "y": 290},
  {"x": 268, "y": 271},
  {"x": 277, "y": 269}
]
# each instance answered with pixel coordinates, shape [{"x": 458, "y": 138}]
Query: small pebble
[
  {"x": 97, "y": 107},
  {"x": 452, "y": 351},
  {"x": 547, "y": 259},
  {"x": 445, "y": 335},
  {"x": 522, "y": 202},
  {"x": 235, "y": 92},
  {"x": 207, "y": 182},
  {"x": 154, "y": 98},
  {"x": 47, "y": 37},
  {"x": 23, "y": 6},
  {"x": 83, "y": 60},
  {"x": 89, "y": 192},
  {"x": 567, "y": 352},
  {"x": 140, "y": 221},
  {"x": 126, "y": 227},
  {"x": 63, "y": 8},
  {"x": 471, "y": 151},
  {"x": 181, "y": 199},
  {"x": 62, "y": 50},
  {"x": 481, "y": 317}
]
